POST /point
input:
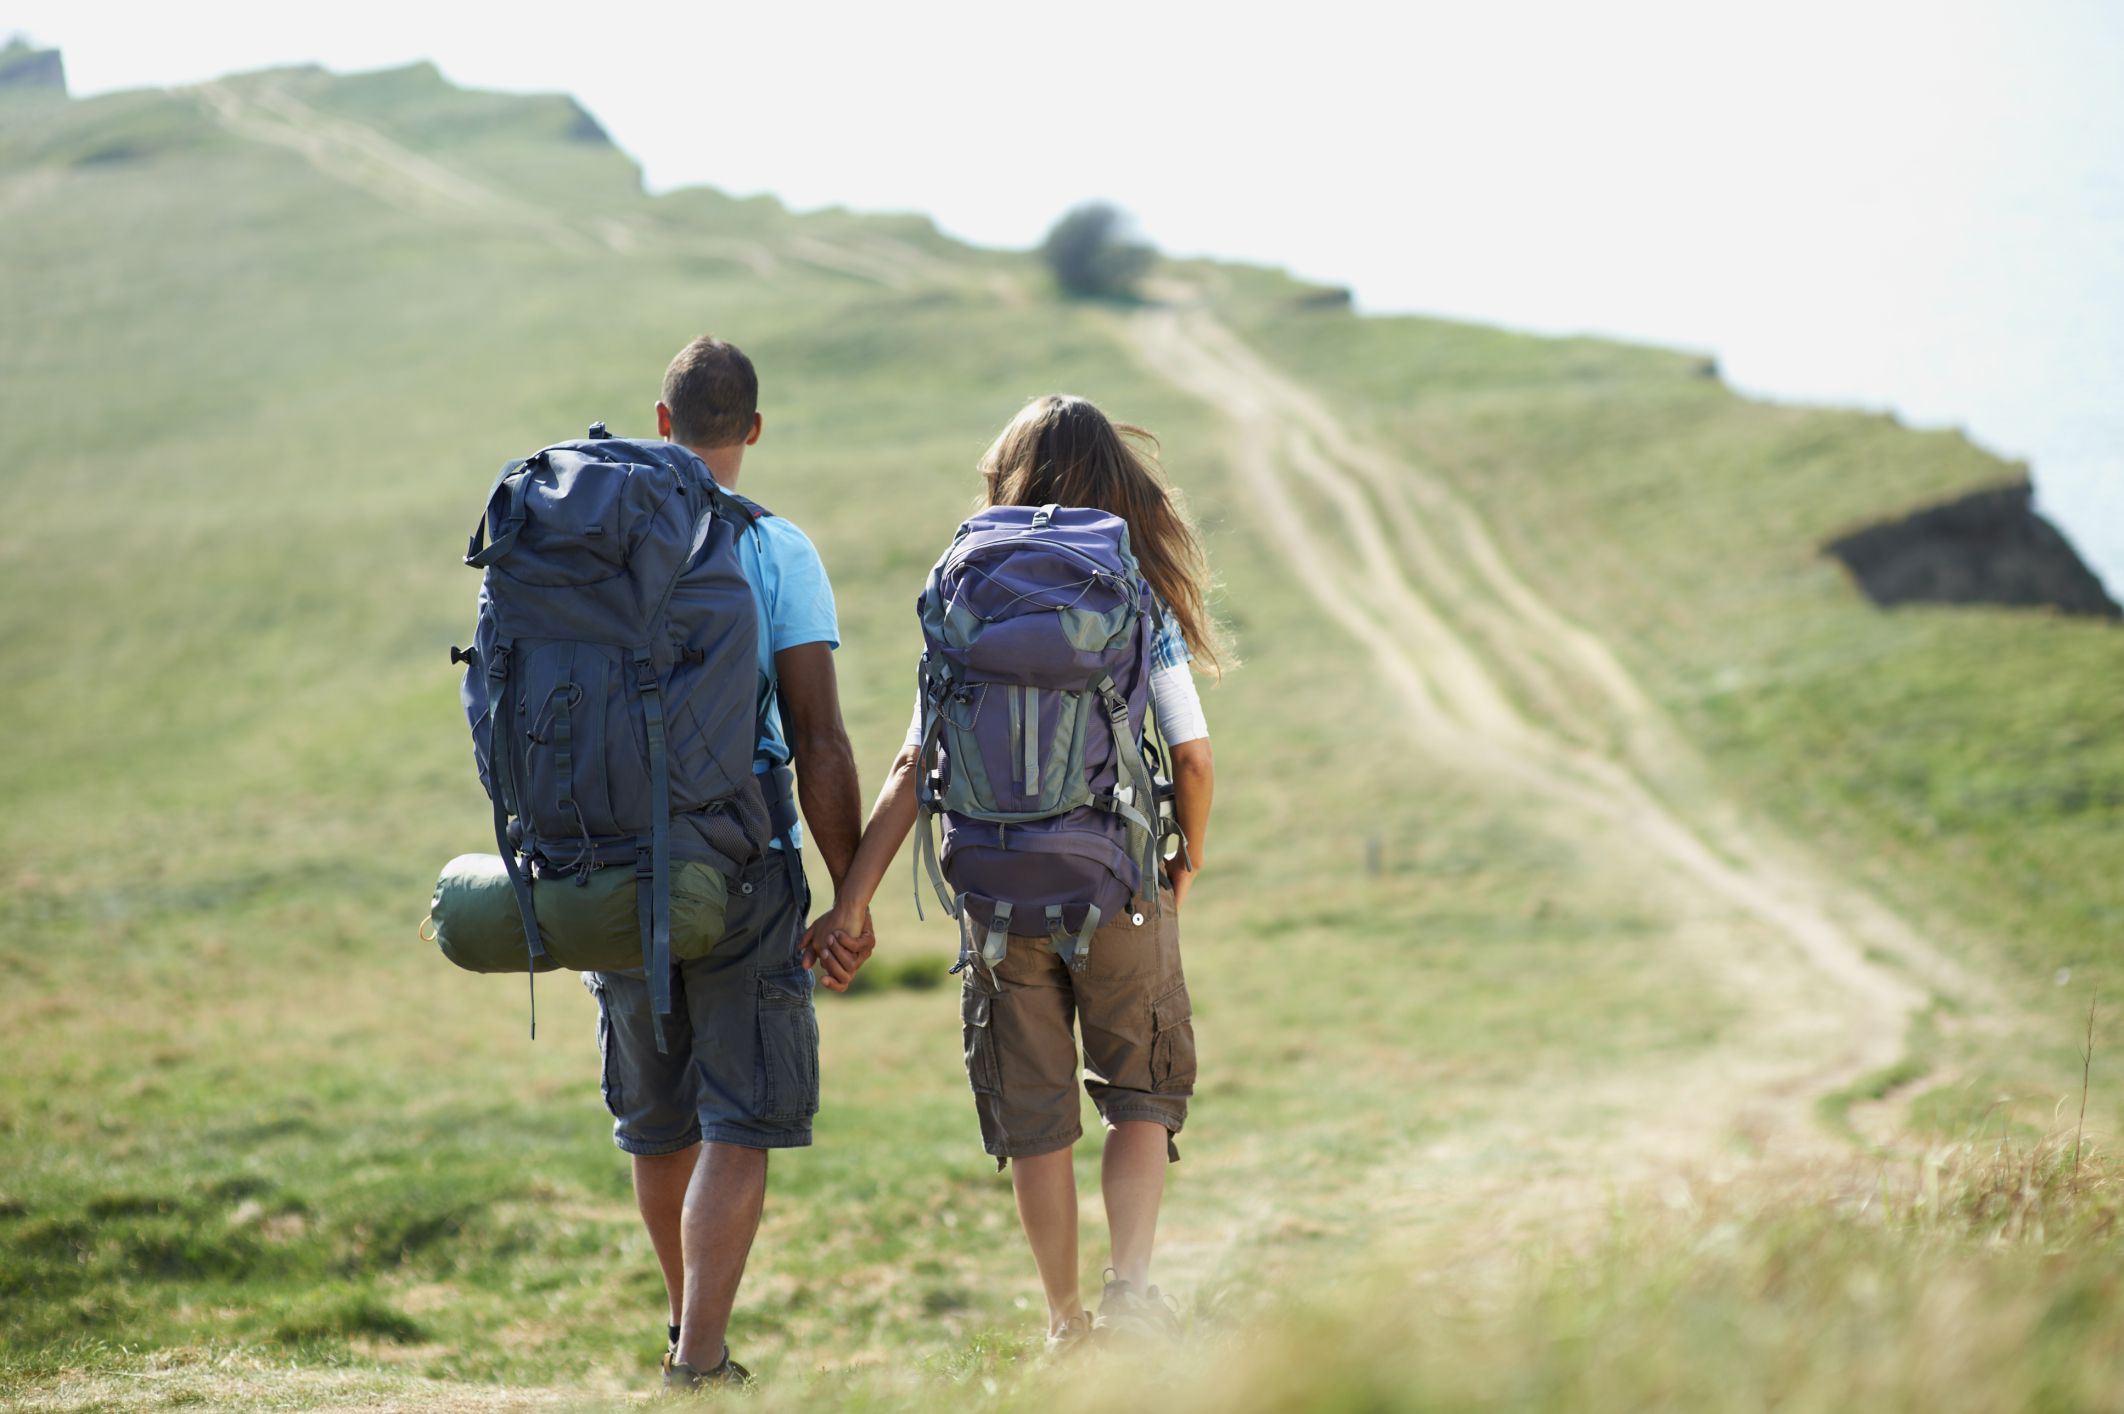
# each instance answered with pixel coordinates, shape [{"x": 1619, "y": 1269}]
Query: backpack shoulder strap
[
  {"x": 747, "y": 512},
  {"x": 753, "y": 510}
]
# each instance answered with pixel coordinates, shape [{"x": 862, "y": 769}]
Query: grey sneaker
[
  {"x": 1073, "y": 1339},
  {"x": 1126, "y": 1313},
  {"x": 679, "y": 1376}
]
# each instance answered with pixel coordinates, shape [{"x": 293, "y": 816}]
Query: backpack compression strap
[
  {"x": 653, "y": 893},
  {"x": 1137, "y": 794},
  {"x": 1075, "y": 951},
  {"x": 501, "y": 747},
  {"x": 997, "y": 941},
  {"x": 932, "y": 690},
  {"x": 652, "y": 903},
  {"x": 479, "y": 552}
]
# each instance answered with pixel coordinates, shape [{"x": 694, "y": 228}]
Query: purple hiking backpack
[{"x": 1035, "y": 682}]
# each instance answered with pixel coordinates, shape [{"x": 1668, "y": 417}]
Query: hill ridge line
[{"x": 362, "y": 157}]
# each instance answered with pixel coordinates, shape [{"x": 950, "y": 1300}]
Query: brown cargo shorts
[{"x": 1131, "y": 1004}]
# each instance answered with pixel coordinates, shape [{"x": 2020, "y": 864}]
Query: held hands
[{"x": 838, "y": 942}]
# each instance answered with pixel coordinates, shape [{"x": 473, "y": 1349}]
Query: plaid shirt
[{"x": 1169, "y": 647}]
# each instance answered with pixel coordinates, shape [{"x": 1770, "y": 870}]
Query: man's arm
[
  {"x": 827, "y": 787},
  {"x": 840, "y": 939}
]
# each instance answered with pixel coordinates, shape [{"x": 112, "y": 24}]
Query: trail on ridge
[{"x": 1496, "y": 681}]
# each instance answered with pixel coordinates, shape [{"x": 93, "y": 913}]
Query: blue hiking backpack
[
  {"x": 1034, "y": 682},
  {"x": 613, "y": 683}
]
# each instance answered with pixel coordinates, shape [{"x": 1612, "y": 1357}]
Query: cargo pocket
[
  {"x": 981, "y": 1069},
  {"x": 1172, "y": 1058},
  {"x": 789, "y": 1048}
]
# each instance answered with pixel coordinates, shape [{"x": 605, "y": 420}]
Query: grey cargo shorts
[
  {"x": 742, "y": 1041},
  {"x": 1131, "y": 1004}
]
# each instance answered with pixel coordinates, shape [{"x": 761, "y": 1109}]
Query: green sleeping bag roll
[
  {"x": 590, "y": 926},
  {"x": 473, "y": 917}
]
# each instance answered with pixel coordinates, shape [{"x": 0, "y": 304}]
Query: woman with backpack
[{"x": 1063, "y": 618}]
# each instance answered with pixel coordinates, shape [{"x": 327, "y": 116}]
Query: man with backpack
[{"x": 737, "y": 1074}]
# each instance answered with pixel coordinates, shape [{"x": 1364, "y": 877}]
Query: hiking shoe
[
  {"x": 679, "y": 1376},
  {"x": 1073, "y": 1339},
  {"x": 1126, "y": 1313}
]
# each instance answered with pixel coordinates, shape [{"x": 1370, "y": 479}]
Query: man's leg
[
  {"x": 722, "y": 1216},
  {"x": 654, "y": 1098},
  {"x": 1046, "y": 1187},
  {"x": 660, "y": 1183},
  {"x": 756, "y": 1059}
]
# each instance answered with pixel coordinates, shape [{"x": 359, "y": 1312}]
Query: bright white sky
[{"x": 1917, "y": 204}]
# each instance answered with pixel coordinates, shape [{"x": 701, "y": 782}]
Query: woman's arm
[
  {"x": 840, "y": 939},
  {"x": 1194, "y": 782}
]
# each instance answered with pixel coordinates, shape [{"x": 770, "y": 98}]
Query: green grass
[
  {"x": 1965, "y": 764},
  {"x": 260, "y": 1147}
]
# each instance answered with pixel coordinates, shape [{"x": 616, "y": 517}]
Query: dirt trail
[{"x": 1497, "y": 681}]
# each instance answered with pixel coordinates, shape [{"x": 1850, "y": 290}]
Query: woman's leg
[
  {"x": 1132, "y": 1180},
  {"x": 1139, "y": 1062},
  {"x": 1046, "y": 1186}
]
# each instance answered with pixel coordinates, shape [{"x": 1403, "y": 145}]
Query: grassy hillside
[
  {"x": 266, "y": 342},
  {"x": 1967, "y": 763}
]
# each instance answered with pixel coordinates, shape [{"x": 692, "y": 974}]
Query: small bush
[
  {"x": 131, "y": 1205},
  {"x": 347, "y": 1314},
  {"x": 187, "y": 1249},
  {"x": 1092, "y": 254},
  {"x": 66, "y": 1240}
]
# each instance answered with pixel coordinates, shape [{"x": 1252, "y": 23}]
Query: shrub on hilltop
[{"x": 1093, "y": 252}]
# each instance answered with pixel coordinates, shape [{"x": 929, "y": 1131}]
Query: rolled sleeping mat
[{"x": 590, "y": 926}]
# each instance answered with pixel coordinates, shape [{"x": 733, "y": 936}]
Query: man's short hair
[{"x": 712, "y": 393}]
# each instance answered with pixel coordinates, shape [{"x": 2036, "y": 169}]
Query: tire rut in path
[{"x": 1497, "y": 680}]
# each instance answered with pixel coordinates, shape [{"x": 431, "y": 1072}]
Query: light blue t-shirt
[{"x": 795, "y": 602}]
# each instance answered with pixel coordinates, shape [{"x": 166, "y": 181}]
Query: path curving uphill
[{"x": 1498, "y": 682}]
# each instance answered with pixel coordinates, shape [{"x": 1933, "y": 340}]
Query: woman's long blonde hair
[{"x": 1064, "y": 450}]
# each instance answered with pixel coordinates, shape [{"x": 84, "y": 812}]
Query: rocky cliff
[
  {"x": 25, "y": 69},
  {"x": 1990, "y": 547}
]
